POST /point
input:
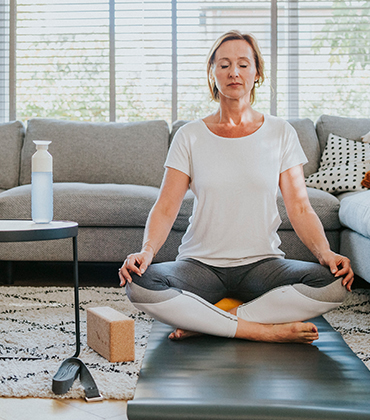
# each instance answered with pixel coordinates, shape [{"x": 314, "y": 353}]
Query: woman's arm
[
  {"x": 308, "y": 226},
  {"x": 160, "y": 221}
]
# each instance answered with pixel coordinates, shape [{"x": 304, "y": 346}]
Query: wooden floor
[
  {"x": 49, "y": 274},
  {"x": 44, "y": 409}
]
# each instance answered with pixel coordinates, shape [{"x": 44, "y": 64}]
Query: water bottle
[{"x": 42, "y": 183}]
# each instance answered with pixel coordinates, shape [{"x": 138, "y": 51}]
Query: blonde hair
[{"x": 259, "y": 61}]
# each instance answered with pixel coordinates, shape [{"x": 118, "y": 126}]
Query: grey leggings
[{"x": 156, "y": 291}]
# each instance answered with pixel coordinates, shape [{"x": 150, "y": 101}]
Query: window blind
[
  {"x": 4, "y": 60},
  {"x": 63, "y": 59},
  {"x": 143, "y": 44},
  {"x": 323, "y": 58},
  {"x": 129, "y": 60}
]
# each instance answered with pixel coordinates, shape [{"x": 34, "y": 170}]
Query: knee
[
  {"x": 133, "y": 291},
  {"x": 138, "y": 294},
  {"x": 139, "y": 288},
  {"x": 333, "y": 292},
  {"x": 337, "y": 291}
]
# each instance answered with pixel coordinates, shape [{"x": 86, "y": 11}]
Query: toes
[
  {"x": 176, "y": 335},
  {"x": 172, "y": 336}
]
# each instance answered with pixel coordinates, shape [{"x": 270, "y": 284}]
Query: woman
[{"x": 234, "y": 161}]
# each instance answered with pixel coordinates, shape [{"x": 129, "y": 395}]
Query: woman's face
[{"x": 234, "y": 69}]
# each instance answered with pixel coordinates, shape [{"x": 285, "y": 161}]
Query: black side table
[{"x": 27, "y": 230}]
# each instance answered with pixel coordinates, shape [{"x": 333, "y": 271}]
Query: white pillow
[{"x": 343, "y": 166}]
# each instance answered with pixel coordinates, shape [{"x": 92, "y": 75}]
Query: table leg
[
  {"x": 73, "y": 367},
  {"x": 76, "y": 297}
]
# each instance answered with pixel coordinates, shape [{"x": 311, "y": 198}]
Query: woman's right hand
[{"x": 135, "y": 263}]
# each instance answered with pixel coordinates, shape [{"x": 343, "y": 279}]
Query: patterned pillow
[{"x": 343, "y": 165}]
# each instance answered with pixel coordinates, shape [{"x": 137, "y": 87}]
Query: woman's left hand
[{"x": 340, "y": 266}]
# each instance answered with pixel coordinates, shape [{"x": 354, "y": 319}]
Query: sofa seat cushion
[
  {"x": 129, "y": 205},
  {"x": 325, "y": 205},
  {"x": 117, "y": 153},
  {"x": 354, "y": 212},
  {"x": 108, "y": 205}
]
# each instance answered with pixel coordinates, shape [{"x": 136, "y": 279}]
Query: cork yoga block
[{"x": 111, "y": 334}]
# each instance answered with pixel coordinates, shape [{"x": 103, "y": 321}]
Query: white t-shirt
[{"x": 235, "y": 182}]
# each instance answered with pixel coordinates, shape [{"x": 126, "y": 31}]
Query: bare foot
[
  {"x": 180, "y": 334},
  {"x": 294, "y": 332}
]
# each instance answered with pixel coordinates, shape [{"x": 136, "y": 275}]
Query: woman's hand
[
  {"x": 135, "y": 263},
  {"x": 340, "y": 266}
]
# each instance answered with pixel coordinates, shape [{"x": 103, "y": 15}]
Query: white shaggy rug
[{"x": 39, "y": 322}]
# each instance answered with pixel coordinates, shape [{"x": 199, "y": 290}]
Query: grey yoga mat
[{"x": 208, "y": 377}]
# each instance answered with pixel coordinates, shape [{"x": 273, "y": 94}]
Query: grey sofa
[{"x": 107, "y": 177}]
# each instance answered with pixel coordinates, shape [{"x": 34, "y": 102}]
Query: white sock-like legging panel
[
  {"x": 183, "y": 310},
  {"x": 297, "y": 302}
]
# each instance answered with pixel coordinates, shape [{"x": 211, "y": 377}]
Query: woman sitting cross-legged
[{"x": 234, "y": 161}]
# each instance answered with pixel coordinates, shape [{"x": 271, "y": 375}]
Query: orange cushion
[{"x": 228, "y": 303}]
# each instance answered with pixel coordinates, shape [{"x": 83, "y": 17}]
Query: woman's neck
[{"x": 234, "y": 121}]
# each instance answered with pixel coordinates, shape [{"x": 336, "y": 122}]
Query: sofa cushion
[
  {"x": 308, "y": 138},
  {"x": 119, "y": 153},
  {"x": 325, "y": 205},
  {"x": 11, "y": 141},
  {"x": 350, "y": 128},
  {"x": 354, "y": 212},
  {"x": 343, "y": 165},
  {"x": 108, "y": 205}
]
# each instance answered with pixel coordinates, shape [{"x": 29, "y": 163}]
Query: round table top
[{"x": 27, "y": 230}]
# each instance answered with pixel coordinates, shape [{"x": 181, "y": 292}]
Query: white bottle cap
[
  {"x": 42, "y": 160},
  {"x": 42, "y": 144}
]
